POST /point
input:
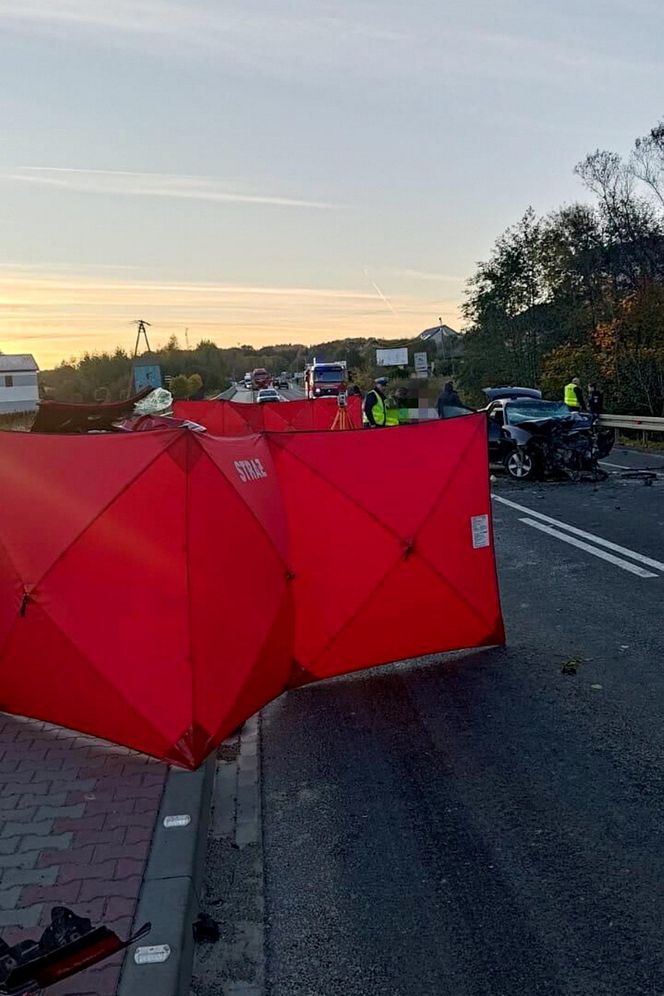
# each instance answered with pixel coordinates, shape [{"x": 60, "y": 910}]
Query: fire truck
[
  {"x": 260, "y": 378},
  {"x": 325, "y": 380}
]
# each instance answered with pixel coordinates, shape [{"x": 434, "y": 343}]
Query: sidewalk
[{"x": 78, "y": 816}]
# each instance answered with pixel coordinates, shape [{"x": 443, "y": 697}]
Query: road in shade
[{"x": 490, "y": 824}]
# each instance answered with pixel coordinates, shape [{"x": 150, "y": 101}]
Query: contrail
[{"x": 378, "y": 291}]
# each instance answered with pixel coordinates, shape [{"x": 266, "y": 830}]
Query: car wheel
[{"x": 520, "y": 465}]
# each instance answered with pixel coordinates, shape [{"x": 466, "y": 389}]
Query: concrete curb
[{"x": 170, "y": 892}]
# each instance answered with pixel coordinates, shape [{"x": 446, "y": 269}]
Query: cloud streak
[
  {"x": 171, "y": 185},
  {"x": 368, "y": 37},
  {"x": 388, "y": 304}
]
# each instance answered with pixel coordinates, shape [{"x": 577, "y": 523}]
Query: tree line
[
  {"x": 579, "y": 292},
  {"x": 207, "y": 368}
]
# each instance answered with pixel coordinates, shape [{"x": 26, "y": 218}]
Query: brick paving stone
[
  {"x": 119, "y": 908},
  {"x": 108, "y": 806},
  {"x": 75, "y": 784},
  {"x": 137, "y": 791},
  {"x": 142, "y": 806},
  {"x": 138, "y": 835},
  {"x": 127, "y": 867},
  {"x": 113, "y": 835},
  {"x": 93, "y": 795},
  {"x": 25, "y": 916},
  {"x": 78, "y": 856},
  {"x": 129, "y": 820},
  {"x": 85, "y": 823},
  {"x": 24, "y": 814},
  {"x": 138, "y": 850},
  {"x": 23, "y": 781},
  {"x": 94, "y": 888},
  {"x": 30, "y": 843},
  {"x": 33, "y": 798},
  {"x": 76, "y": 872},
  {"x": 57, "y": 895},
  {"x": 42, "y": 829},
  {"x": 76, "y": 820},
  {"x": 20, "y": 859},
  {"x": 29, "y": 876},
  {"x": 55, "y": 765},
  {"x": 9, "y": 897},
  {"x": 60, "y": 812}
]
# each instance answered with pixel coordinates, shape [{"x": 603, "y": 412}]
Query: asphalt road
[
  {"x": 490, "y": 824},
  {"x": 289, "y": 394}
]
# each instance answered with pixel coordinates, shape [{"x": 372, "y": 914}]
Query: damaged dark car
[{"x": 533, "y": 438}]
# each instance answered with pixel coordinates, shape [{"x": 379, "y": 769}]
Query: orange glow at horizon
[{"x": 60, "y": 316}]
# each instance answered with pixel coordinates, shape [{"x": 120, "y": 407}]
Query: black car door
[{"x": 495, "y": 418}]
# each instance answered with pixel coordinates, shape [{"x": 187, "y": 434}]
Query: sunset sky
[{"x": 266, "y": 171}]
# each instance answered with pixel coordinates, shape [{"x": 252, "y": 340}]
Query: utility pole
[{"x": 142, "y": 330}]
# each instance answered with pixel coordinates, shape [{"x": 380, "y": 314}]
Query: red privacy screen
[
  {"x": 158, "y": 588},
  {"x": 229, "y": 418}
]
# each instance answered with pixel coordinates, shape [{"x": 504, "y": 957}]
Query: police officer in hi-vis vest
[
  {"x": 375, "y": 411},
  {"x": 574, "y": 395}
]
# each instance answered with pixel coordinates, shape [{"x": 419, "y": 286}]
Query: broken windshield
[{"x": 527, "y": 409}]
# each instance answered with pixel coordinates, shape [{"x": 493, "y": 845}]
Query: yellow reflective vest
[
  {"x": 378, "y": 410},
  {"x": 571, "y": 399}
]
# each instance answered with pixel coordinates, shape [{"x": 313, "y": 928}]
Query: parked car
[
  {"x": 532, "y": 437},
  {"x": 268, "y": 394}
]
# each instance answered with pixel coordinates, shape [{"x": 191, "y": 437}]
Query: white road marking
[
  {"x": 618, "y": 561},
  {"x": 648, "y": 561},
  {"x": 618, "y": 466}
]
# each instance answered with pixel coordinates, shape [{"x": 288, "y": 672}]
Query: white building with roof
[
  {"x": 447, "y": 340},
  {"x": 19, "y": 389}
]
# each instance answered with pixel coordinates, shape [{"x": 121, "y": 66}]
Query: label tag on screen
[{"x": 480, "y": 528}]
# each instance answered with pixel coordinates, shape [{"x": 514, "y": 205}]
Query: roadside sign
[
  {"x": 421, "y": 364},
  {"x": 392, "y": 357},
  {"x": 146, "y": 374}
]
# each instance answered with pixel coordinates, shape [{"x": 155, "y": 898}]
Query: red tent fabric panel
[
  {"x": 98, "y": 540},
  {"x": 54, "y": 486},
  {"x": 228, "y": 418},
  {"x": 45, "y": 676},
  {"x": 382, "y": 543},
  {"x": 157, "y": 588},
  {"x": 240, "y": 599}
]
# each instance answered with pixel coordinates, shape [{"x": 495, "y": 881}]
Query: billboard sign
[{"x": 392, "y": 357}]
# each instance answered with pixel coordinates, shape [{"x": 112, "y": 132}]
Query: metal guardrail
[{"x": 644, "y": 423}]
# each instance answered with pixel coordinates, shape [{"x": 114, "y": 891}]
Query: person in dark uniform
[
  {"x": 595, "y": 400},
  {"x": 447, "y": 400}
]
